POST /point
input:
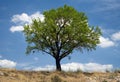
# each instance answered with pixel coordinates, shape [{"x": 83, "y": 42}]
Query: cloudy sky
[{"x": 103, "y": 13}]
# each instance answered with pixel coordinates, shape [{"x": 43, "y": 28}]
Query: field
[{"x": 13, "y": 75}]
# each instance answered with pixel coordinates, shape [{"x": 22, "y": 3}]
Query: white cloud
[
  {"x": 7, "y": 63},
  {"x": 24, "y": 18},
  {"x": 116, "y": 36},
  {"x": 16, "y": 28},
  {"x": 37, "y": 15},
  {"x": 105, "y": 42},
  {"x": 46, "y": 68},
  {"x": 88, "y": 67}
]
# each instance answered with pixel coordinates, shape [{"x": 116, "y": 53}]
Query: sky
[{"x": 103, "y": 13}]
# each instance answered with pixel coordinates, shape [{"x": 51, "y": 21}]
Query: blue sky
[{"x": 15, "y": 13}]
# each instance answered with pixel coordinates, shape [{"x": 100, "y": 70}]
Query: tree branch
[{"x": 65, "y": 54}]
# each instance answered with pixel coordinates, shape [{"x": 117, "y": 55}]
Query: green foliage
[{"x": 63, "y": 30}]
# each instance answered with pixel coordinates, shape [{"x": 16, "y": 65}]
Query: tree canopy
[{"x": 63, "y": 30}]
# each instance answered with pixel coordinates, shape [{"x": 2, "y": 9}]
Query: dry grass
[{"x": 12, "y": 75}]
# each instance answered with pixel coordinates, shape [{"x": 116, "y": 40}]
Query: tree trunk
[{"x": 58, "y": 66}]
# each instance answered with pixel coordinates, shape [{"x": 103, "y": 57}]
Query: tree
[{"x": 63, "y": 30}]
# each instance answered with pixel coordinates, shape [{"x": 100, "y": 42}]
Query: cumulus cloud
[
  {"x": 7, "y": 63},
  {"x": 16, "y": 28},
  {"x": 105, "y": 42},
  {"x": 37, "y": 15},
  {"x": 116, "y": 36},
  {"x": 88, "y": 67},
  {"x": 24, "y": 18}
]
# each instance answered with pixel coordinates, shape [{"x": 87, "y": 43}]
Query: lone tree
[{"x": 63, "y": 30}]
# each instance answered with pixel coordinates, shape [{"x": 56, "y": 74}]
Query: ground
[{"x": 13, "y": 75}]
